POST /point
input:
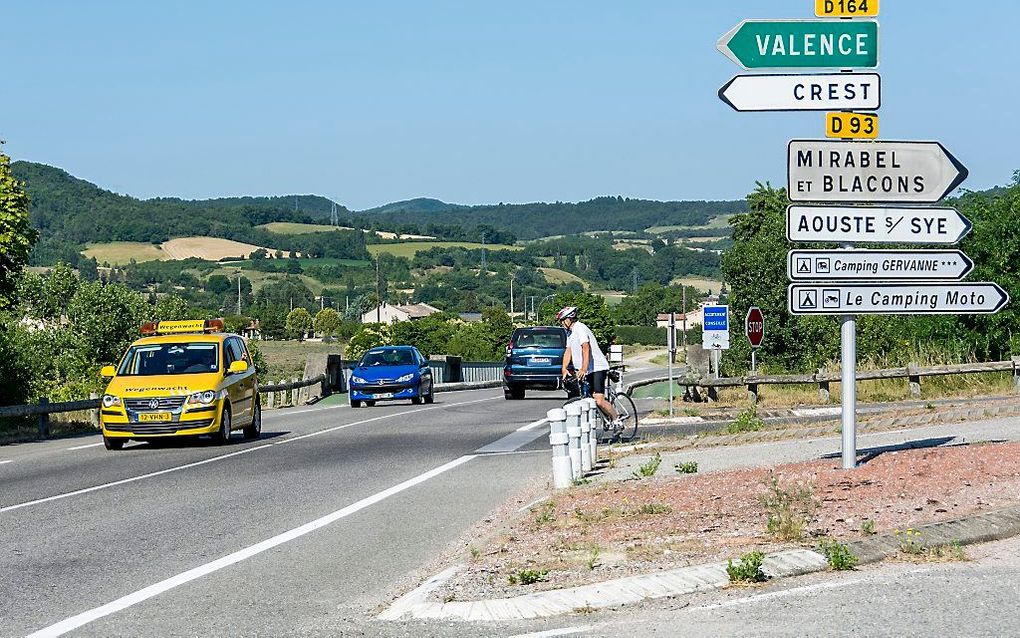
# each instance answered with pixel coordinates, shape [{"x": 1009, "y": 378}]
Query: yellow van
[{"x": 183, "y": 378}]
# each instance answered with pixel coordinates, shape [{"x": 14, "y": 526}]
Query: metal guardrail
[{"x": 912, "y": 372}]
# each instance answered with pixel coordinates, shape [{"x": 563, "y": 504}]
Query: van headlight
[
  {"x": 110, "y": 401},
  {"x": 205, "y": 398},
  {"x": 405, "y": 378}
]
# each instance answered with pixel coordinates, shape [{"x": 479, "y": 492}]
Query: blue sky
[{"x": 470, "y": 102}]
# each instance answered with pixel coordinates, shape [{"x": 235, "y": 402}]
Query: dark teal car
[{"x": 534, "y": 358}]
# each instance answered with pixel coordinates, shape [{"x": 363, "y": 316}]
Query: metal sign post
[{"x": 671, "y": 343}]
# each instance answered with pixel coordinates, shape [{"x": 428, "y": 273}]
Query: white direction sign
[
  {"x": 897, "y": 299},
  {"x": 835, "y": 171},
  {"x": 873, "y": 224},
  {"x": 819, "y": 92},
  {"x": 880, "y": 265}
]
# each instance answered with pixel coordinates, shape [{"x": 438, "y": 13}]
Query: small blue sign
[{"x": 717, "y": 318}]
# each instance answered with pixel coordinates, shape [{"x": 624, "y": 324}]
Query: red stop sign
[{"x": 754, "y": 327}]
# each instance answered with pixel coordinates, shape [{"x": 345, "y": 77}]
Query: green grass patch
[{"x": 410, "y": 248}]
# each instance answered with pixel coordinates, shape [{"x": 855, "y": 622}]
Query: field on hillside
[
  {"x": 408, "y": 249},
  {"x": 118, "y": 253},
  {"x": 719, "y": 221},
  {"x": 701, "y": 283},
  {"x": 208, "y": 248},
  {"x": 259, "y": 278},
  {"x": 293, "y": 228},
  {"x": 557, "y": 276}
]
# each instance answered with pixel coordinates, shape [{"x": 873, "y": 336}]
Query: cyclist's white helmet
[{"x": 570, "y": 312}]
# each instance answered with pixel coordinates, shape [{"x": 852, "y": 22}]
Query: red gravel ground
[{"x": 640, "y": 526}]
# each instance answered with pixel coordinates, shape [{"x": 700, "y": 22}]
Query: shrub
[
  {"x": 839, "y": 555},
  {"x": 789, "y": 510},
  {"x": 528, "y": 576},
  {"x": 746, "y": 421},
  {"x": 649, "y": 468},
  {"x": 690, "y": 467},
  {"x": 641, "y": 335},
  {"x": 748, "y": 570}
]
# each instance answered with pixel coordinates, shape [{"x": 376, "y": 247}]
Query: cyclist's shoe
[{"x": 617, "y": 423}]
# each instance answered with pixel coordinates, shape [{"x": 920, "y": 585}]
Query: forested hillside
[
  {"x": 530, "y": 221},
  {"x": 70, "y": 212}
]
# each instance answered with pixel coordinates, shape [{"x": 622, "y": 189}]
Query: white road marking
[
  {"x": 513, "y": 441},
  {"x": 780, "y": 594},
  {"x": 69, "y": 624},
  {"x": 186, "y": 466},
  {"x": 82, "y": 447},
  {"x": 533, "y": 424},
  {"x": 566, "y": 631},
  {"x": 7, "y": 461}
]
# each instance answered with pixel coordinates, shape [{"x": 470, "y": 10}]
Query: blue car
[
  {"x": 391, "y": 373},
  {"x": 534, "y": 358}
]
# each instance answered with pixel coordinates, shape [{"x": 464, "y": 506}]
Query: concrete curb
[{"x": 978, "y": 528}]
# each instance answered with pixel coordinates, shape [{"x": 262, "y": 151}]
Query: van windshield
[
  {"x": 170, "y": 358},
  {"x": 541, "y": 339}
]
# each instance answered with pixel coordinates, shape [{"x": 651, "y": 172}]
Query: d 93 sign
[{"x": 851, "y": 125}]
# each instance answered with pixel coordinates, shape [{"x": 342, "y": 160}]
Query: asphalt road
[{"x": 307, "y": 531}]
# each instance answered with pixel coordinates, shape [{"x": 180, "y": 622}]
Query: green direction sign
[{"x": 790, "y": 44}]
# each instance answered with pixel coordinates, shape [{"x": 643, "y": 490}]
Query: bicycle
[{"x": 621, "y": 402}]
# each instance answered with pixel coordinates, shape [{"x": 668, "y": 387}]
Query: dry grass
[
  {"x": 209, "y": 248},
  {"x": 118, "y": 253},
  {"x": 286, "y": 359},
  {"x": 701, "y": 283},
  {"x": 875, "y": 391},
  {"x": 557, "y": 276}
]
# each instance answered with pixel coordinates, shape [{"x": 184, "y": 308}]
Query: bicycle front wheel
[{"x": 625, "y": 410}]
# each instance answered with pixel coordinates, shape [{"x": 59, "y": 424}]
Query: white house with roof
[{"x": 388, "y": 313}]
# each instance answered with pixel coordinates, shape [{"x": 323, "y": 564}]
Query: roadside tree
[
  {"x": 299, "y": 322},
  {"x": 16, "y": 233},
  {"x": 327, "y": 322}
]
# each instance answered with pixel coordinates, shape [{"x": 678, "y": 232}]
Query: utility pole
[
  {"x": 378, "y": 293},
  {"x": 633, "y": 274},
  {"x": 483, "y": 260},
  {"x": 684, "y": 291},
  {"x": 511, "y": 294},
  {"x": 238, "y": 291}
]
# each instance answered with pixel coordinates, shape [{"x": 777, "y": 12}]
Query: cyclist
[{"x": 591, "y": 365}]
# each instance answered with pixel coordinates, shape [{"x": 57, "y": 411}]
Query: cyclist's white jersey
[{"x": 577, "y": 335}]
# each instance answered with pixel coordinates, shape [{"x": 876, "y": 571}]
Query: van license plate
[{"x": 155, "y": 417}]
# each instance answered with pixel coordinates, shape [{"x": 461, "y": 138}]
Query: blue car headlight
[
  {"x": 405, "y": 378},
  {"x": 357, "y": 380}
]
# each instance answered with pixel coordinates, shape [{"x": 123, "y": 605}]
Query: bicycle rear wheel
[{"x": 626, "y": 410}]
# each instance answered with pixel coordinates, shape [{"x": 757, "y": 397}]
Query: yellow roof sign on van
[{"x": 182, "y": 327}]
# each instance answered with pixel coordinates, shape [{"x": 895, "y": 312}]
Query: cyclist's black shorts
[{"x": 597, "y": 381}]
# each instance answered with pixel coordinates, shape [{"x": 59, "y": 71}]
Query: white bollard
[
  {"x": 559, "y": 441},
  {"x": 574, "y": 432},
  {"x": 590, "y": 411},
  {"x": 585, "y": 444}
]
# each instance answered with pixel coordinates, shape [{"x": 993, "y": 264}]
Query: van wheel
[
  {"x": 222, "y": 436},
  {"x": 114, "y": 444},
  {"x": 254, "y": 430}
]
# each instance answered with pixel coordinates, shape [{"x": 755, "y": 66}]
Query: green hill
[{"x": 418, "y": 205}]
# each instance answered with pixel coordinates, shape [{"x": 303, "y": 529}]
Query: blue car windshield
[{"x": 387, "y": 358}]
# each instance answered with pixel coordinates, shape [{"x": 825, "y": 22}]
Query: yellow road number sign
[
  {"x": 851, "y": 125},
  {"x": 846, "y": 8}
]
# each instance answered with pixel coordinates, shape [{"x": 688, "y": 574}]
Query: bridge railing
[{"x": 913, "y": 373}]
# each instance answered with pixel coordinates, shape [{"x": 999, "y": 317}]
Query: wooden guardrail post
[
  {"x": 295, "y": 392},
  {"x": 44, "y": 419},
  {"x": 823, "y": 387},
  {"x": 713, "y": 394},
  {"x": 914, "y": 378},
  {"x": 1016, "y": 374},
  {"x": 752, "y": 393}
]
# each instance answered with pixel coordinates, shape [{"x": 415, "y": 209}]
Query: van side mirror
[
  {"x": 237, "y": 367},
  {"x": 108, "y": 371}
]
